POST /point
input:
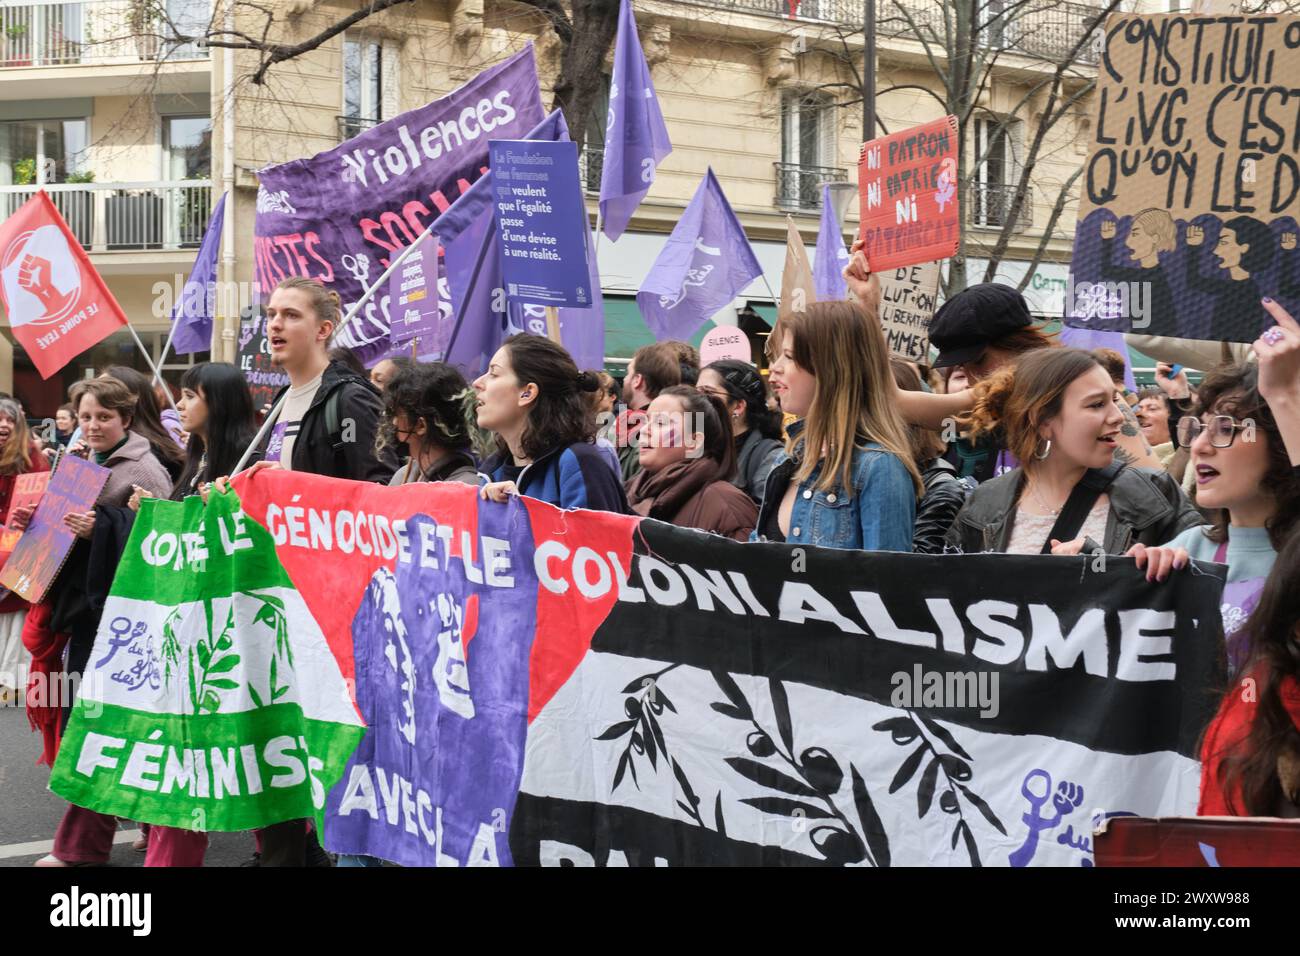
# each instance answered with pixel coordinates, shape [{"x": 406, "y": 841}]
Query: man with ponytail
[{"x": 327, "y": 426}]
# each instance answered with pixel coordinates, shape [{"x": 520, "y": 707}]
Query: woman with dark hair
[
  {"x": 755, "y": 428},
  {"x": 1245, "y": 246},
  {"x": 944, "y": 493},
  {"x": 423, "y": 409},
  {"x": 1056, "y": 411},
  {"x": 1250, "y": 757},
  {"x": 216, "y": 410},
  {"x": 147, "y": 420},
  {"x": 687, "y": 460},
  {"x": 1245, "y": 482},
  {"x": 536, "y": 401}
]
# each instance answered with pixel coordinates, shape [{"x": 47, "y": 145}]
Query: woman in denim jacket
[{"x": 846, "y": 478}]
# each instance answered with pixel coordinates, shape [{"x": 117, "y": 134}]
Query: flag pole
[
  {"x": 162, "y": 359},
  {"x": 357, "y": 306},
  {"x": 148, "y": 358}
]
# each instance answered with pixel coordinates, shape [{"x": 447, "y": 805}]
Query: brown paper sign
[{"x": 907, "y": 299}]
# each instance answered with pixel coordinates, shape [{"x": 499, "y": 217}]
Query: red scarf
[{"x": 44, "y": 681}]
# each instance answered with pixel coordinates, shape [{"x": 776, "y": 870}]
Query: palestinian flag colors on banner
[
  {"x": 211, "y": 699},
  {"x": 548, "y": 687}
]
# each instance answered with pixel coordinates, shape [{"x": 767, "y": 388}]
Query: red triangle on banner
[{"x": 57, "y": 304}]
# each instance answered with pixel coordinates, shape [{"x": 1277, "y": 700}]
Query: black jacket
[
  {"x": 755, "y": 456},
  {"x": 1146, "y": 507},
  {"x": 359, "y": 409},
  {"x": 944, "y": 496}
]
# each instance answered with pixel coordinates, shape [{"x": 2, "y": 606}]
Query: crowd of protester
[{"x": 1007, "y": 442}]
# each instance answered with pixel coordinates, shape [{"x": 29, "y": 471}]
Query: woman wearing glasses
[
  {"x": 423, "y": 409},
  {"x": 1246, "y": 483}
]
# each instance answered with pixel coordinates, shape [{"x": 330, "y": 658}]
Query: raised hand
[
  {"x": 1108, "y": 229},
  {"x": 1195, "y": 235}
]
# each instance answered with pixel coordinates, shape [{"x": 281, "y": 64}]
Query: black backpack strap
[
  {"x": 1091, "y": 486},
  {"x": 334, "y": 431}
]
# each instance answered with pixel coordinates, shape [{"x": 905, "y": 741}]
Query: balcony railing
[
  {"x": 800, "y": 187},
  {"x": 1042, "y": 29},
  {"x": 350, "y": 126},
  {"x": 990, "y": 207},
  {"x": 591, "y": 164},
  {"x": 97, "y": 31},
  {"x": 113, "y": 217}
]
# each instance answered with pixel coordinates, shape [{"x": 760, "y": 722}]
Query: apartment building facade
[{"x": 136, "y": 137}]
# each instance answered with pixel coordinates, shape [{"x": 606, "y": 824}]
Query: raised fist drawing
[
  {"x": 1195, "y": 235},
  {"x": 1068, "y": 797},
  {"x": 34, "y": 276},
  {"x": 1108, "y": 229},
  {"x": 1288, "y": 240}
]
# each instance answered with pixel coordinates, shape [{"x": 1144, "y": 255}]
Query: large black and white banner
[{"x": 761, "y": 704}]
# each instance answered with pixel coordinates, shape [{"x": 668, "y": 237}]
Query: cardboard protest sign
[
  {"x": 907, "y": 300},
  {"x": 543, "y": 222},
  {"x": 44, "y": 546},
  {"x": 28, "y": 490},
  {"x": 797, "y": 287},
  {"x": 725, "y": 342},
  {"x": 907, "y": 185},
  {"x": 264, "y": 378},
  {"x": 1191, "y": 190}
]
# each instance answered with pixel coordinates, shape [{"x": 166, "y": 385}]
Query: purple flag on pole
[
  {"x": 703, "y": 266},
  {"x": 192, "y": 316},
  {"x": 480, "y": 318},
  {"x": 1089, "y": 339},
  {"x": 636, "y": 139},
  {"x": 832, "y": 257}
]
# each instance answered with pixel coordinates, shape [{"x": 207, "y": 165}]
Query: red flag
[{"x": 58, "y": 306}]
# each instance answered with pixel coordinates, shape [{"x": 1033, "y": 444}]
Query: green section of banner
[
  {"x": 182, "y": 551},
  {"x": 214, "y": 772}
]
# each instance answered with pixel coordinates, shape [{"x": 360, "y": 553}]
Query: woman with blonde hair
[
  {"x": 1056, "y": 411},
  {"x": 846, "y": 478}
]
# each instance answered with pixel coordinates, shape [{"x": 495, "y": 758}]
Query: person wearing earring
[
  {"x": 1055, "y": 409},
  {"x": 755, "y": 428}
]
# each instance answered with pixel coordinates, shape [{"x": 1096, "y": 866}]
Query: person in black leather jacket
[
  {"x": 755, "y": 427},
  {"x": 944, "y": 493}
]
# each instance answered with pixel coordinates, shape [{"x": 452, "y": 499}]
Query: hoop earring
[{"x": 1046, "y": 451}]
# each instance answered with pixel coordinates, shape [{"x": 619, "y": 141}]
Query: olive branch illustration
[
  {"x": 955, "y": 767},
  {"x": 809, "y": 795}
]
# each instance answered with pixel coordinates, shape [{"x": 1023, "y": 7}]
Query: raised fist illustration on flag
[{"x": 34, "y": 275}]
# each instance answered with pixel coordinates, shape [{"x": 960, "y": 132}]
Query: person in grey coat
[{"x": 756, "y": 429}]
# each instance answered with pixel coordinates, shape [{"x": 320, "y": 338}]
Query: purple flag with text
[
  {"x": 636, "y": 139},
  {"x": 703, "y": 266},
  {"x": 481, "y": 319},
  {"x": 832, "y": 257},
  {"x": 1089, "y": 339},
  {"x": 192, "y": 316}
]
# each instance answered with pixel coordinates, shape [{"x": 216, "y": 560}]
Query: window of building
[
  {"x": 995, "y": 171},
  {"x": 807, "y": 148},
  {"x": 187, "y": 147},
  {"x": 36, "y": 152},
  {"x": 363, "y": 84},
  {"x": 591, "y": 162}
]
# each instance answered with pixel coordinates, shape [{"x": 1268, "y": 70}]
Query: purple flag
[
  {"x": 192, "y": 316},
  {"x": 480, "y": 318},
  {"x": 636, "y": 139},
  {"x": 703, "y": 266},
  {"x": 832, "y": 257},
  {"x": 1089, "y": 339},
  {"x": 341, "y": 216}
]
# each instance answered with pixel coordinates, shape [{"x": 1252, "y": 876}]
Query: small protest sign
[
  {"x": 28, "y": 490},
  {"x": 264, "y": 378},
  {"x": 415, "y": 304},
  {"x": 1191, "y": 191},
  {"x": 725, "y": 342},
  {"x": 44, "y": 546},
  {"x": 543, "y": 222},
  {"x": 907, "y": 300},
  {"x": 907, "y": 186}
]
